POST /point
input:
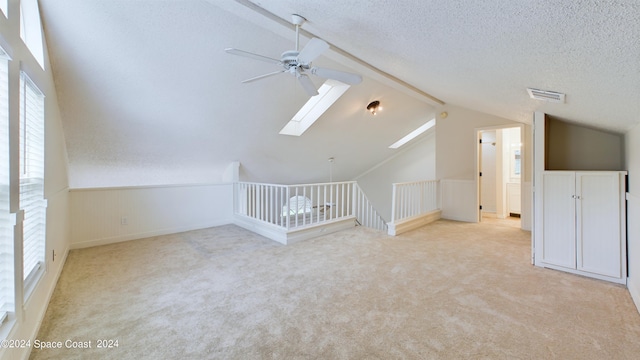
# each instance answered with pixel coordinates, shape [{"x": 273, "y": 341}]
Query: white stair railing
[
  {"x": 411, "y": 199},
  {"x": 366, "y": 215},
  {"x": 327, "y": 202},
  {"x": 262, "y": 202},
  {"x": 294, "y": 206}
]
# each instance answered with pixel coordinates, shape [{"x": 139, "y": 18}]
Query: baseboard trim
[
  {"x": 621, "y": 280},
  {"x": 459, "y": 218},
  {"x": 50, "y": 291},
  {"x": 408, "y": 224},
  {"x": 270, "y": 231},
  {"x": 33, "y": 333},
  {"x": 324, "y": 228},
  {"x": 281, "y": 235},
  {"x": 146, "y": 234}
]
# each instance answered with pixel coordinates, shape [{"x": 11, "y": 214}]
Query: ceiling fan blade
[
  {"x": 345, "y": 77},
  {"x": 252, "y": 55},
  {"x": 307, "y": 84},
  {"x": 263, "y": 76},
  {"x": 312, "y": 50}
]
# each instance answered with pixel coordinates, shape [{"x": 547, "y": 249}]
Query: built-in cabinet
[
  {"x": 513, "y": 199},
  {"x": 584, "y": 226}
]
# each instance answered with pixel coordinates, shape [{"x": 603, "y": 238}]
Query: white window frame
[
  {"x": 32, "y": 202},
  {"x": 7, "y": 221}
]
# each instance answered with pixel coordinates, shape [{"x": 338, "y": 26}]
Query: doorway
[{"x": 500, "y": 175}]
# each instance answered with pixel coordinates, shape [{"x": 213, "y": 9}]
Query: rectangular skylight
[
  {"x": 412, "y": 135},
  {"x": 328, "y": 93}
]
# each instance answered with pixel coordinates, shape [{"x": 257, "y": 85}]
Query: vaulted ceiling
[{"x": 148, "y": 95}]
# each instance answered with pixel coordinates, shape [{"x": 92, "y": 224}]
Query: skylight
[
  {"x": 412, "y": 135},
  {"x": 328, "y": 94},
  {"x": 3, "y": 7}
]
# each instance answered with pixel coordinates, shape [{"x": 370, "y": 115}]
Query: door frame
[{"x": 478, "y": 154}]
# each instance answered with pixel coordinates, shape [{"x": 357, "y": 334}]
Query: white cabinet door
[
  {"x": 559, "y": 219},
  {"x": 513, "y": 198},
  {"x": 598, "y": 223},
  {"x": 584, "y": 223}
]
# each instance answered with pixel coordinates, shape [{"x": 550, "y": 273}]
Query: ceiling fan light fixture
[{"x": 374, "y": 107}]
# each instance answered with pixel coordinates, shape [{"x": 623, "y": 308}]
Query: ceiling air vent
[{"x": 544, "y": 95}]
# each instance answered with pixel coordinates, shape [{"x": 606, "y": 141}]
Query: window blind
[
  {"x": 6, "y": 223},
  {"x": 32, "y": 177}
]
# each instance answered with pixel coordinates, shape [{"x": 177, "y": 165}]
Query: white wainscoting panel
[
  {"x": 458, "y": 200},
  {"x": 633, "y": 234},
  {"x": 108, "y": 215}
]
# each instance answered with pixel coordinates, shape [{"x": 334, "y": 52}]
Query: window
[
  {"x": 6, "y": 224},
  {"x": 32, "y": 178},
  {"x": 328, "y": 93},
  {"x": 31, "y": 29},
  {"x": 515, "y": 165},
  {"x": 3, "y": 7},
  {"x": 412, "y": 135}
]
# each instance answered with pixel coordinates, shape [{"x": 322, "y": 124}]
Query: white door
[
  {"x": 559, "y": 219},
  {"x": 488, "y": 170},
  {"x": 479, "y": 183},
  {"x": 598, "y": 222}
]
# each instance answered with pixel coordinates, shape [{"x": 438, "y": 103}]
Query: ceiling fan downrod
[{"x": 297, "y": 20}]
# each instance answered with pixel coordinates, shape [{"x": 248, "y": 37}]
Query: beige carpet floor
[{"x": 449, "y": 290}]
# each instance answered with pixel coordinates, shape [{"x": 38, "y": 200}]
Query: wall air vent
[{"x": 550, "y": 96}]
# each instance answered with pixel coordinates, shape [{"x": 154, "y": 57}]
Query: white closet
[{"x": 584, "y": 223}]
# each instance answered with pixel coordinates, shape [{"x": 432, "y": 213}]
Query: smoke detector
[{"x": 544, "y": 95}]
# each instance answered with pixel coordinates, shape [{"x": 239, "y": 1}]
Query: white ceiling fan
[{"x": 298, "y": 62}]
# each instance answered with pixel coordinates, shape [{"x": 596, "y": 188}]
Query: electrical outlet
[{"x": 124, "y": 221}]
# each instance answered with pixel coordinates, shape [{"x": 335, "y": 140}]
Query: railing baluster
[
  {"x": 342, "y": 201},
  {"x": 304, "y": 215},
  {"x": 313, "y": 209},
  {"x": 324, "y": 203},
  {"x": 270, "y": 203},
  {"x": 414, "y": 198},
  {"x": 331, "y": 201},
  {"x": 394, "y": 189}
]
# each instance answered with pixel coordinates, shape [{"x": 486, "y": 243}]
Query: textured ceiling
[
  {"x": 484, "y": 54},
  {"x": 148, "y": 94}
]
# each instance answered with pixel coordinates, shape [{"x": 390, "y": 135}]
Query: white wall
[
  {"x": 108, "y": 215},
  {"x": 575, "y": 147},
  {"x": 455, "y": 200},
  {"x": 415, "y": 162},
  {"x": 456, "y": 146},
  {"x": 632, "y": 143},
  {"x": 29, "y": 312}
]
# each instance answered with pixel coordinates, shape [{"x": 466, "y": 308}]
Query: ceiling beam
[{"x": 289, "y": 25}]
